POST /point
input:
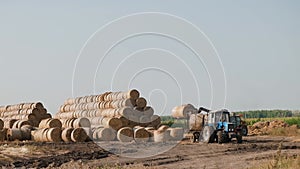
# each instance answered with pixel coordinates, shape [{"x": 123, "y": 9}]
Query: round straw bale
[
  {"x": 54, "y": 134},
  {"x": 14, "y": 134},
  {"x": 106, "y": 134},
  {"x": 1, "y": 124},
  {"x": 125, "y": 134},
  {"x": 176, "y": 133},
  {"x": 66, "y": 134},
  {"x": 141, "y": 102},
  {"x": 141, "y": 134},
  {"x": 81, "y": 122},
  {"x": 78, "y": 135}
]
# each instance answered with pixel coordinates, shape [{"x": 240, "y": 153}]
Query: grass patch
[{"x": 280, "y": 161}]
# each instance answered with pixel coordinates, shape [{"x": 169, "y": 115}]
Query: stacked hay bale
[
  {"x": 32, "y": 112},
  {"x": 113, "y": 115},
  {"x": 49, "y": 130},
  {"x": 18, "y": 120}
]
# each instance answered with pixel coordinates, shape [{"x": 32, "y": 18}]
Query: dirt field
[{"x": 254, "y": 151}]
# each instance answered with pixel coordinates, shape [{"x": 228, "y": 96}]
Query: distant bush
[{"x": 293, "y": 121}]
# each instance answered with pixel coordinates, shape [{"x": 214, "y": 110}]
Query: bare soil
[{"x": 254, "y": 151}]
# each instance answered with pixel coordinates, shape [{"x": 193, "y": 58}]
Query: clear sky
[{"x": 257, "y": 42}]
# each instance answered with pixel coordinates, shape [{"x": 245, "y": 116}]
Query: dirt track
[{"x": 253, "y": 151}]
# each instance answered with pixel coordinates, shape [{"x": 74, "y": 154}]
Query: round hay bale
[
  {"x": 124, "y": 120},
  {"x": 66, "y": 134},
  {"x": 26, "y": 132},
  {"x": 161, "y": 136},
  {"x": 78, "y": 135},
  {"x": 2, "y": 136},
  {"x": 3, "y": 108},
  {"x": 4, "y": 132},
  {"x": 47, "y": 116},
  {"x": 1, "y": 124},
  {"x": 14, "y": 134},
  {"x": 183, "y": 111},
  {"x": 134, "y": 94},
  {"x": 39, "y": 135},
  {"x": 9, "y": 123},
  {"x": 50, "y": 123},
  {"x": 113, "y": 123},
  {"x": 37, "y": 105},
  {"x": 125, "y": 134},
  {"x": 196, "y": 122},
  {"x": 176, "y": 133},
  {"x": 106, "y": 134},
  {"x": 54, "y": 134},
  {"x": 155, "y": 121},
  {"x": 163, "y": 128},
  {"x": 141, "y": 102},
  {"x": 81, "y": 122},
  {"x": 141, "y": 134},
  {"x": 148, "y": 111},
  {"x": 18, "y": 124},
  {"x": 151, "y": 133},
  {"x": 144, "y": 120}
]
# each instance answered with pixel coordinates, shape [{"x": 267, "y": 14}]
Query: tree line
[{"x": 267, "y": 113}]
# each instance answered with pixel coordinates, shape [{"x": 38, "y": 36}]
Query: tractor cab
[
  {"x": 220, "y": 120},
  {"x": 219, "y": 127},
  {"x": 238, "y": 123}
]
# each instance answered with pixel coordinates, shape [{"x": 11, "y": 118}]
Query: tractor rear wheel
[
  {"x": 244, "y": 130},
  {"x": 208, "y": 134},
  {"x": 221, "y": 135}
]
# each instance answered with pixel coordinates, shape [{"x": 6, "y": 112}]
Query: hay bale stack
[
  {"x": 110, "y": 110},
  {"x": 32, "y": 112},
  {"x": 46, "y": 135}
]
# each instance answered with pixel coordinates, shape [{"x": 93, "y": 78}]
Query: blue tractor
[{"x": 217, "y": 127}]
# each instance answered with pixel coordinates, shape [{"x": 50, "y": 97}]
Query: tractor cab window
[
  {"x": 225, "y": 117},
  {"x": 232, "y": 119},
  {"x": 218, "y": 116},
  {"x": 238, "y": 120}
]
